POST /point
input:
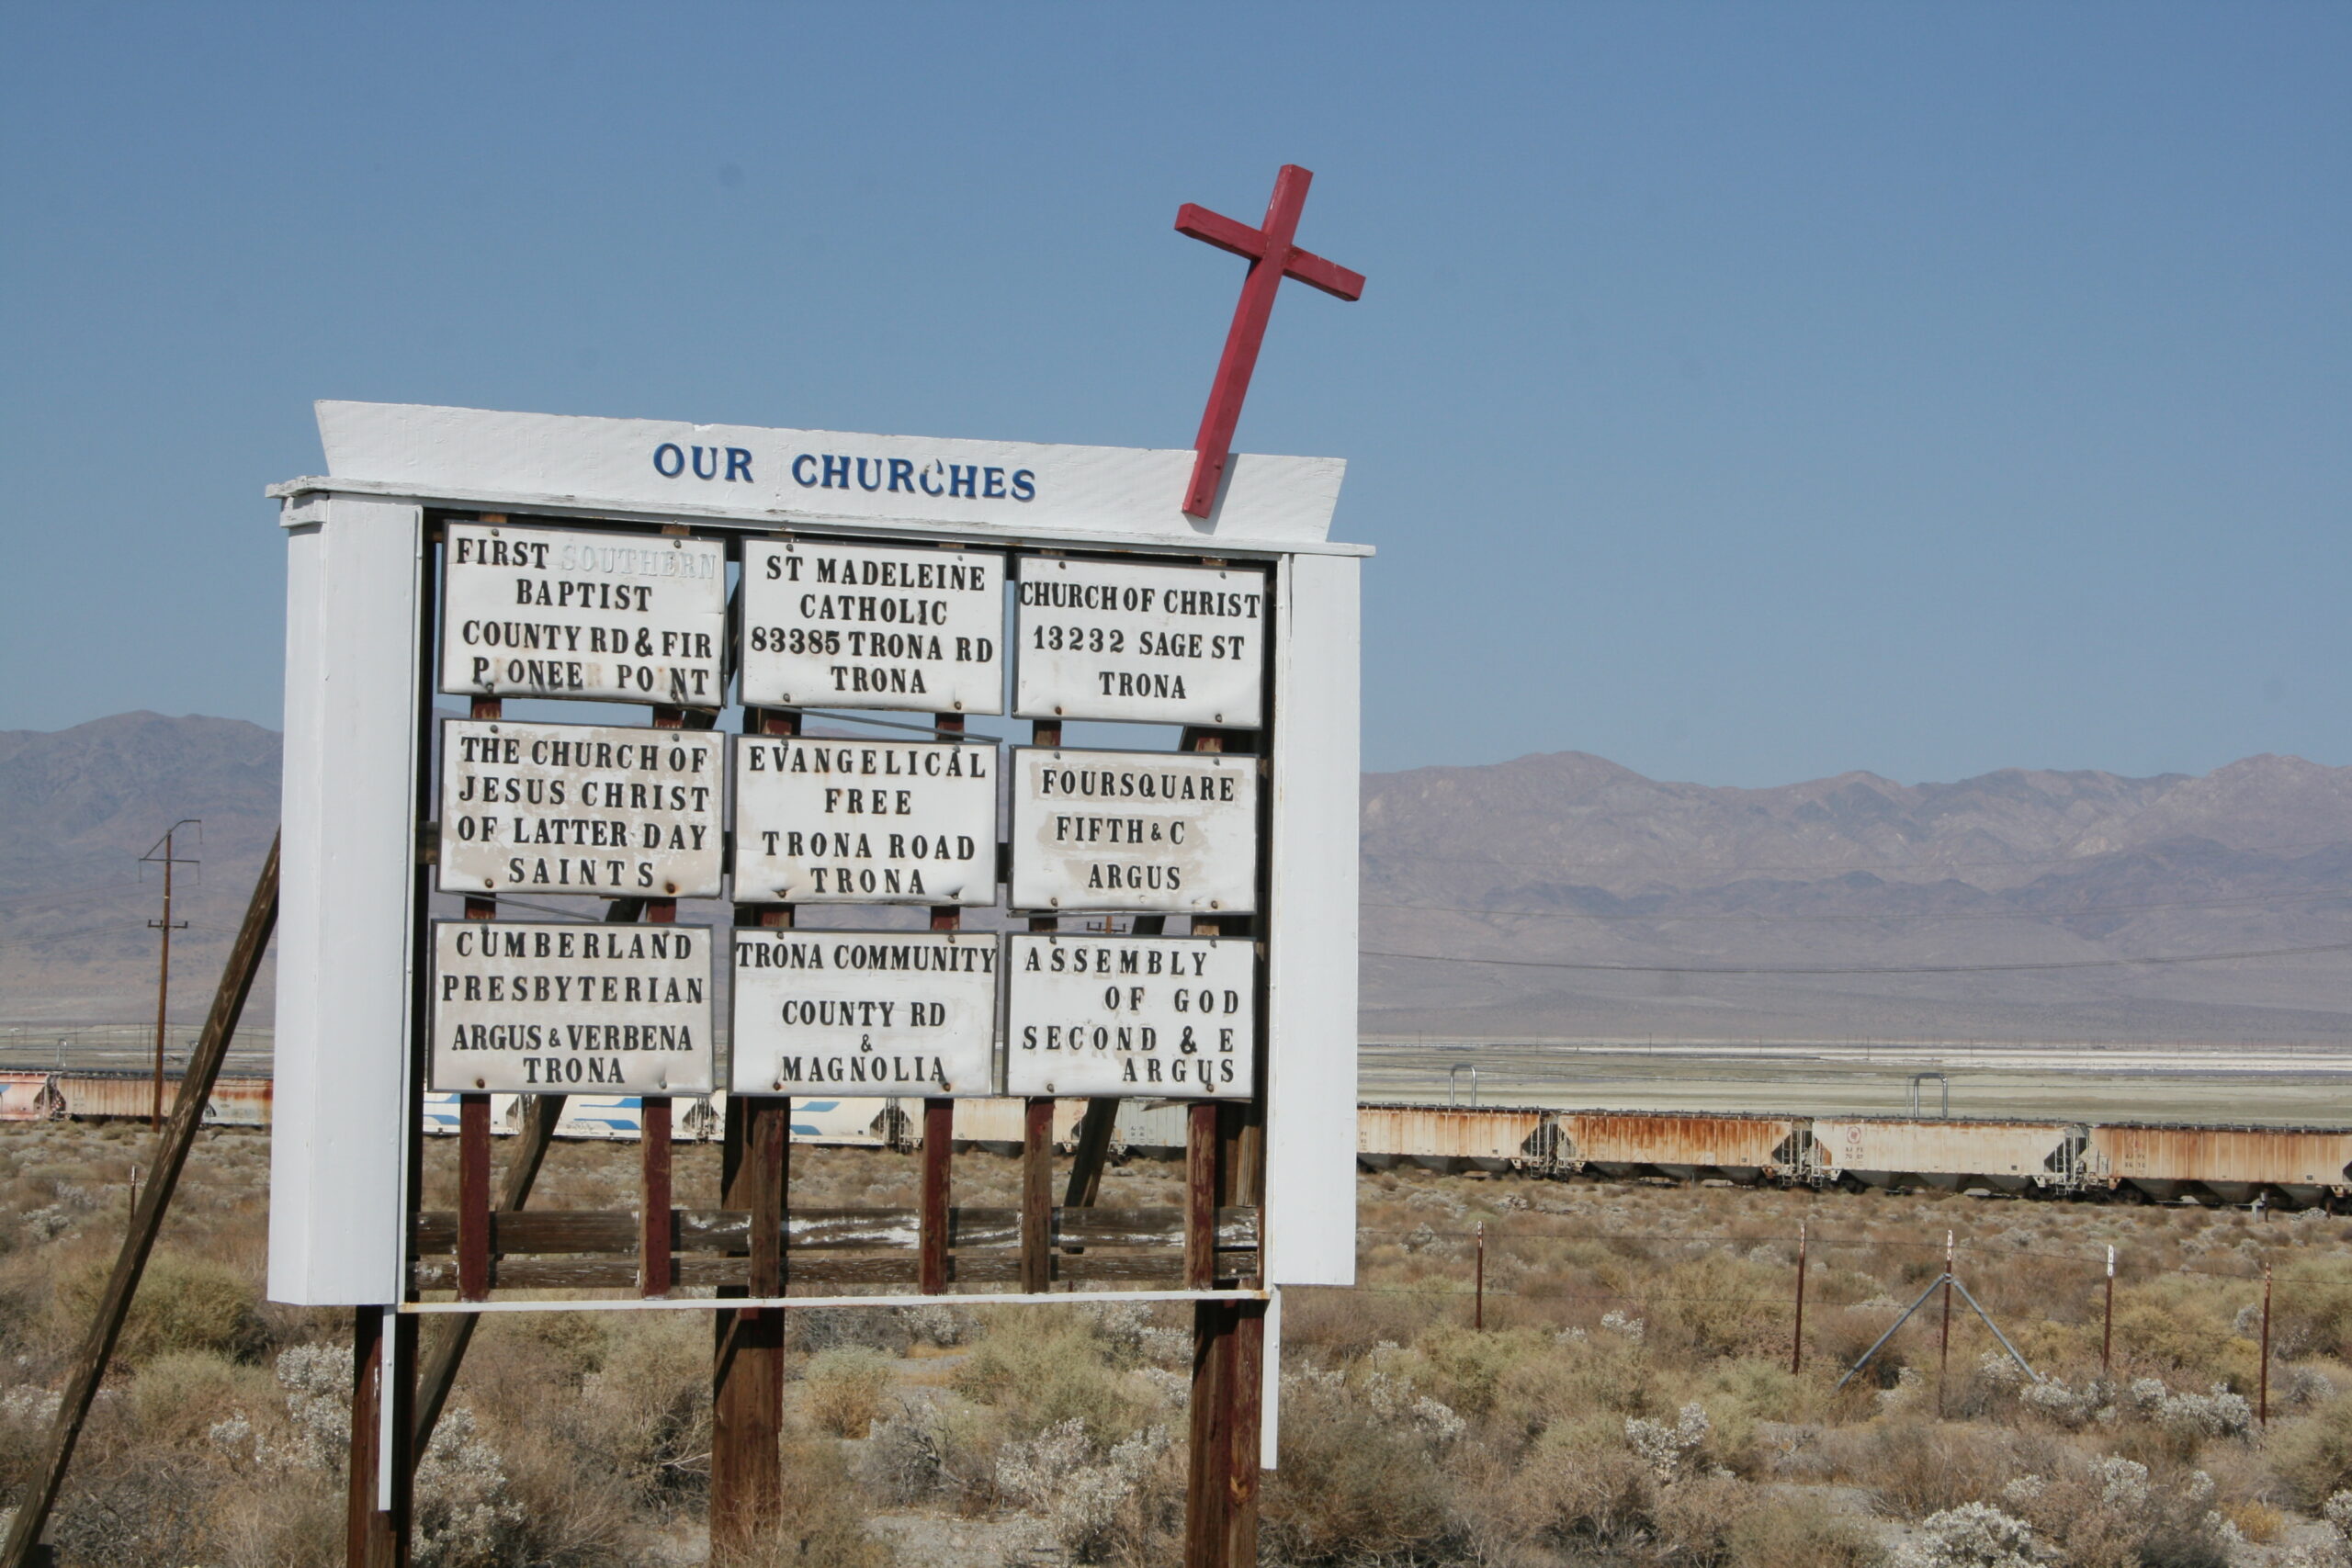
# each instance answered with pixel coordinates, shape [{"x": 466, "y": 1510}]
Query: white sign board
[
  {"x": 865, "y": 1013},
  {"x": 1174, "y": 1017},
  {"x": 862, "y": 626},
  {"x": 1171, "y": 832},
  {"x": 824, "y": 821},
  {"x": 606, "y": 617},
  {"x": 580, "y": 809},
  {"x": 1157, "y": 644},
  {"x": 529, "y": 1008}
]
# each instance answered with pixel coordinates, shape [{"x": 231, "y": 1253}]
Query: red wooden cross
[{"x": 1273, "y": 257}]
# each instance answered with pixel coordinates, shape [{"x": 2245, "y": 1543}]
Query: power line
[
  {"x": 1892, "y": 915},
  {"x": 1860, "y": 969},
  {"x": 1924, "y": 862}
]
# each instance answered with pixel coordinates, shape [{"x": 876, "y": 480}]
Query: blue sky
[{"x": 1743, "y": 393}]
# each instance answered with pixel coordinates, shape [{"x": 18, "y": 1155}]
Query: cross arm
[
  {"x": 1330, "y": 276},
  {"x": 1217, "y": 229}
]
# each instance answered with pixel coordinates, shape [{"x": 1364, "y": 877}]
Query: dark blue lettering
[
  {"x": 961, "y": 477},
  {"x": 862, "y": 482},
  {"x": 902, "y": 475},
  {"x": 809, "y": 480},
  {"x": 1024, "y": 485},
  {"x": 714, "y": 463},
  {"x": 677, "y": 460},
  {"x": 836, "y": 467},
  {"x": 929, "y": 469},
  {"x": 738, "y": 464},
  {"x": 992, "y": 483}
]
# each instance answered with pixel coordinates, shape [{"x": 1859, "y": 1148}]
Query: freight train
[{"x": 2145, "y": 1162}]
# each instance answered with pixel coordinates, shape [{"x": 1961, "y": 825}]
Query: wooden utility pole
[
  {"x": 147, "y": 1218},
  {"x": 163, "y": 963}
]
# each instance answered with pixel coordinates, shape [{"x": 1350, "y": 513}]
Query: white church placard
[
  {"x": 587, "y": 616},
  {"x": 828, "y": 624}
]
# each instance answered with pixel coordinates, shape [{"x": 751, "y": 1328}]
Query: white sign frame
[{"x": 358, "y": 686}]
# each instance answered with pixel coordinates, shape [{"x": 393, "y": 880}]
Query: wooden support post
[
  {"x": 655, "y": 1213},
  {"x": 473, "y": 1197},
  {"x": 1094, "y": 1149},
  {"x": 360, "y": 1518},
  {"x": 1201, "y": 1149},
  {"x": 747, "y": 1371},
  {"x": 938, "y": 1150},
  {"x": 656, "y": 1222},
  {"x": 383, "y": 1372},
  {"x": 935, "y": 1181},
  {"x": 1221, "y": 1498},
  {"x": 97, "y": 1346},
  {"x": 1038, "y": 1194}
]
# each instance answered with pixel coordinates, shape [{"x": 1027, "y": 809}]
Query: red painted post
[
  {"x": 473, "y": 1144},
  {"x": 656, "y": 1269}
]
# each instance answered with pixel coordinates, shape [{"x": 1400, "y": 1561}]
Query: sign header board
[
  {"x": 1152, "y": 832},
  {"x": 580, "y": 809},
  {"x": 824, "y": 821},
  {"x": 1154, "y": 643},
  {"x": 1008, "y": 488},
  {"x": 602, "y": 618},
  {"x": 547, "y": 1009},
  {"x": 1169, "y": 1017},
  {"x": 865, "y": 1013},
  {"x": 860, "y": 627}
]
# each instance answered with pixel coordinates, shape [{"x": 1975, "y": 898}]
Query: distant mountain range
[
  {"x": 2026, "y": 888},
  {"x": 1995, "y": 908}
]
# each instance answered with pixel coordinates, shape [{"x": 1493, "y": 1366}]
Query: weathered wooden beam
[
  {"x": 808, "y": 1231},
  {"x": 987, "y": 1265},
  {"x": 89, "y": 1365}
]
